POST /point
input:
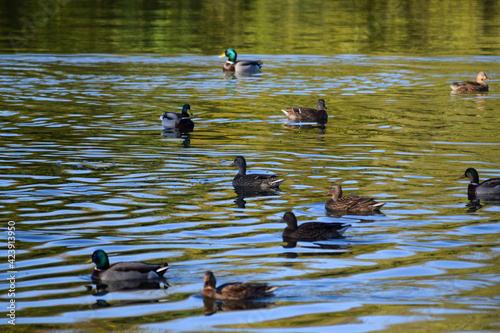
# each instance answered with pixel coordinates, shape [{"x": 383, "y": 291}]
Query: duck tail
[
  {"x": 162, "y": 269},
  {"x": 277, "y": 182},
  {"x": 378, "y": 205},
  {"x": 343, "y": 229},
  {"x": 270, "y": 289}
]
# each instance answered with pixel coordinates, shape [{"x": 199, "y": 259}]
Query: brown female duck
[
  {"x": 235, "y": 290},
  {"x": 124, "y": 270},
  {"x": 297, "y": 113},
  {"x": 239, "y": 66},
  {"x": 253, "y": 182},
  {"x": 488, "y": 189},
  {"x": 311, "y": 231},
  {"x": 350, "y": 203},
  {"x": 470, "y": 87}
]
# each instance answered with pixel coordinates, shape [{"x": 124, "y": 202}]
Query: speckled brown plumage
[
  {"x": 235, "y": 290},
  {"x": 318, "y": 115},
  {"x": 470, "y": 87},
  {"x": 350, "y": 203}
]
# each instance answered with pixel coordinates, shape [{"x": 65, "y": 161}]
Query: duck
[
  {"x": 178, "y": 120},
  {"x": 350, "y": 203},
  {"x": 311, "y": 231},
  {"x": 470, "y": 87},
  {"x": 489, "y": 188},
  {"x": 124, "y": 270},
  {"x": 239, "y": 66},
  {"x": 234, "y": 290},
  {"x": 297, "y": 113},
  {"x": 253, "y": 182}
]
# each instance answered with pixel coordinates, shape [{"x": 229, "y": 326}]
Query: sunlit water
[{"x": 86, "y": 165}]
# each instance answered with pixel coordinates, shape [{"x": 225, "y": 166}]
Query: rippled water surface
[{"x": 86, "y": 165}]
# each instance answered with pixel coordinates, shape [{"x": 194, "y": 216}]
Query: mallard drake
[
  {"x": 178, "y": 120},
  {"x": 235, "y": 290},
  {"x": 350, "y": 203},
  {"x": 318, "y": 115},
  {"x": 124, "y": 270},
  {"x": 253, "y": 182},
  {"x": 489, "y": 188},
  {"x": 239, "y": 66},
  {"x": 311, "y": 231},
  {"x": 468, "y": 87}
]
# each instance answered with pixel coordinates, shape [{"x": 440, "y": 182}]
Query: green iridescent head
[
  {"x": 100, "y": 259},
  {"x": 230, "y": 54},
  {"x": 185, "y": 110}
]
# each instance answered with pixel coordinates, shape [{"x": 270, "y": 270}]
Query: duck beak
[
  {"x": 328, "y": 193},
  {"x": 89, "y": 261},
  {"x": 222, "y": 55},
  {"x": 232, "y": 164},
  {"x": 462, "y": 177}
]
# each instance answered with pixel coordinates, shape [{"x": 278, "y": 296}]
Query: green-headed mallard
[
  {"x": 311, "y": 231},
  {"x": 489, "y": 188},
  {"x": 239, "y": 66},
  {"x": 470, "y": 87},
  {"x": 350, "y": 203},
  {"x": 178, "y": 120},
  {"x": 235, "y": 290},
  {"x": 297, "y": 113},
  {"x": 253, "y": 182},
  {"x": 124, "y": 270}
]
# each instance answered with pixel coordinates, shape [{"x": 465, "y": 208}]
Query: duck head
[
  {"x": 230, "y": 54},
  {"x": 321, "y": 105},
  {"x": 472, "y": 174},
  {"x": 100, "y": 259},
  {"x": 291, "y": 220},
  {"x": 481, "y": 76},
  {"x": 335, "y": 191},
  {"x": 186, "y": 111}
]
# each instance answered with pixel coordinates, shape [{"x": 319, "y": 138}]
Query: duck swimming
[
  {"x": 318, "y": 115},
  {"x": 239, "y": 66},
  {"x": 235, "y": 290},
  {"x": 178, "y": 120},
  {"x": 253, "y": 182},
  {"x": 470, "y": 87},
  {"x": 350, "y": 203},
  {"x": 124, "y": 270},
  {"x": 489, "y": 188},
  {"x": 311, "y": 231}
]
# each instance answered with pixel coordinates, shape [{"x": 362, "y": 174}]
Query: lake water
[{"x": 86, "y": 165}]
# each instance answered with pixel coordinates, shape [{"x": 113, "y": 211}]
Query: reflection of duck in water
[
  {"x": 235, "y": 290},
  {"x": 239, "y": 66},
  {"x": 489, "y": 189},
  {"x": 350, "y": 203},
  {"x": 124, "y": 270},
  {"x": 180, "y": 121},
  {"x": 253, "y": 182},
  {"x": 242, "y": 194},
  {"x": 470, "y": 87},
  {"x": 211, "y": 305},
  {"x": 311, "y": 231},
  {"x": 318, "y": 115}
]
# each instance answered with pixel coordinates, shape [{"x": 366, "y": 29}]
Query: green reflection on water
[{"x": 452, "y": 27}]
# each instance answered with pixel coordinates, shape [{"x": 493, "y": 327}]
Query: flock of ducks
[{"x": 265, "y": 183}]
